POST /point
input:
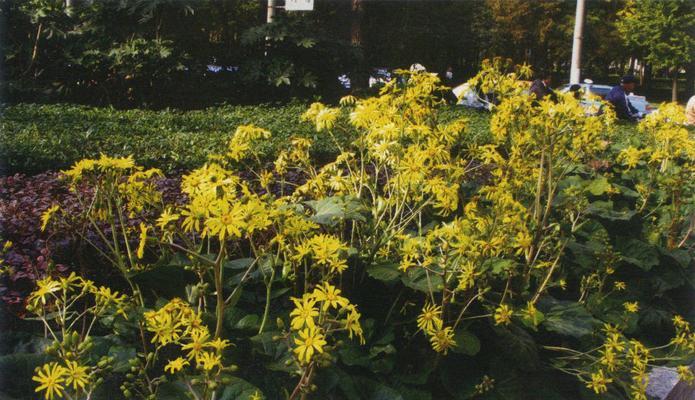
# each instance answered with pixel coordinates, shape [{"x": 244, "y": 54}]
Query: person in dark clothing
[
  {"x": 621, "y": 103},
  {"x": 541, "y": 87}
]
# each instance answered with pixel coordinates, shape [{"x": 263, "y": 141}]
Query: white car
[
  {"x": 469, "y": 97},
  {"x": 589, "y": 88}
]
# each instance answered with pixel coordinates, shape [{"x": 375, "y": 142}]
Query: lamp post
[{"x": 575, "y": 69}]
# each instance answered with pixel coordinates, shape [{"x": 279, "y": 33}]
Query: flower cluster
[{"x": 76, "y": 373}]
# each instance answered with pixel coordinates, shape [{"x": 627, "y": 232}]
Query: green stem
[{"x": 266, "y": 310}]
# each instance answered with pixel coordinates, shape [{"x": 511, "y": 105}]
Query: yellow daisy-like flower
[
  {"x": 598, "y": 382},
  {"x": 76, "y": 375},
  {"x": 352, "y": 323},
  {"x": 175, "y": 365},
  {"x": 166, "y": 218},
  {"x": 686, "y": 374},
  {"x": 199, "y": 340},
  {"x": 143, "y": 240},
  {"x": 310, "y": 340},
  {"x": 47, "y": 215},
  {"x": 503, "y": 315},
  {"x": 226, "y": 221},
  {"x": 430, "y": 319},
  {"x": 329, "y": 296},
  {"x": 165, "y": 329},
  {"x": 207, "y": 361},
  {"x": 631, "y": 307},
  {"x": 51, "y": 377},
  {"x": 443, "y": 339},
  {"x": 304, "y": 312},
  {"x": 619, "y": 285},
  {"x": 219, "y": 344},
  {"x": 44, "y": 287}
]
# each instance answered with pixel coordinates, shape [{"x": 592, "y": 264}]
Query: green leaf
[
  {"x": 121, "y": 355},
  {"x": 517, "y": 345},
  {"x": 238, "y": 389},
  {"x": 239, "y": 263},
  {"x": 307, "y": 43},
  {"x": 249, "y": 322},
  {"x": 466, "y": 343},
  {"x": 417, "y": 278},
  {"x": 384, "y": 272},
  {"x": 498, "y": 265},
  {"x": 604, "y": 209},
  {"x": 569, "y": 319},
  {"x": 598, "y": 186},
  {"x": 638, "y": 253},
  {"x": 331, "y": 210}
]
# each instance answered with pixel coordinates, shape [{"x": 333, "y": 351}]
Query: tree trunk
[
  {"x": 356, "y": 25},
  {"x": 674, "y": 86}
]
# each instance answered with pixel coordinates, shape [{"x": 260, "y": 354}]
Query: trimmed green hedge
[{"x": 35, "y": 138}]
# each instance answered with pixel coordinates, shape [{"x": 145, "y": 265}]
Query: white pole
[
  {"x": 271, "y": 11},
  {"x": 269, "y": 19},
  {"x": 575, "y": 69}
]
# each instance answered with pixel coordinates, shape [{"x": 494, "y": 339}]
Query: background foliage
[{"x": 155, "y": 53}]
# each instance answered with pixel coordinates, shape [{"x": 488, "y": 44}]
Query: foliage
[
  {"x": 35, "y": 138},
  {"x": 662, "y": 31},
  {"x": 424, "y": 260},
  {"x": 101, "y": 52}
]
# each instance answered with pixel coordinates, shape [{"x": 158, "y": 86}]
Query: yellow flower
[
  {"x": 198, "y": 340},
  {"x": 348, "y": 100},
  {"x": 219, "y": 344},
  {"x": 630, "y": 157},
  {"x": 326, "y": 250},
  {"x": 51, "y": 377},
  {"x": 44, "y": 287},
  {"x": 631, "y": 307},
  {"x": 76, "y": 375},
  {"x": 226, "y": 220},
  {"x": 352, "y": 323},
  {"x": 330, "y": 296},
  {"x": 531, "y": 314},
  {"x": 164, "y": 327},
  {"x": 619, "y": 285},
  {"x": 304, "y": 312},
  {"x": 685, "y": 374},
  {"x": 47, "y": 215},
  {"x": 503, "y": 315},
  {"x": 598, "y": 382},
  {"x": 143, "y": 240},
  {"x": 166, "y": 218},
  {"x": 256, "y": 396},
  {"x": 310, "y": 340},
  {"x": 175, "y": 365},
  {"x": 430, "y": 319},
  {"x": 207, "y": 361},
  {"x": 443, "y": 339},
  {"x": 106, "y": 162}
]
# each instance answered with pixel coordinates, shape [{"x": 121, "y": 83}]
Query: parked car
[
  {"x": 469, "y": 97},
  {"x": 593, "y": 91},
  {"x": 379, "y": 77}
]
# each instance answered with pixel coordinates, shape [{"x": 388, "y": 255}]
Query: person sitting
[
  {"x": 690, "y": 111},
  {"x": 541, "y": 87},
  {"x": 618, "y": 97}
]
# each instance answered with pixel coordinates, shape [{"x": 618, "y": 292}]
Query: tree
[{"x": 663, "y": 31}]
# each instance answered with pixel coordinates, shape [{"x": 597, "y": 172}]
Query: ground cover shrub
[
  {"x": 37, "y": 138},
  {"x": 423, "y": 261}
]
